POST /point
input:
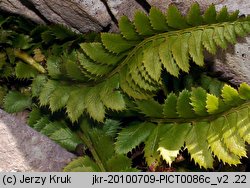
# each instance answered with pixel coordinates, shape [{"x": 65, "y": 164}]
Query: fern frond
[
  {"x": 76, "y": 104},
  {"x": 198, "y": 147},
  {"x": 101, "y": 146},
  {"x": 151, "y": 147},
  {"x": 82, "y": 164},
  {"x": 64, "y": 137},
  {"x": 135, "y": 133},
  {"x": 16, "y": 102},
  {"x": 194, "y": 17},
  {"x": 172, "y": 140},
  {"x": 46, "y": 92},
  {"x": 127, "y": 29},
  {"x": 59, "y": 97},
  {"x": 142, "y": 24},
  {"x": 167, "y": 44},
  {"x": 175, "y": 19},
  {"x": 37, "y": 85},
  {"x": 210, "y": 125},
  {"x": 115, "y": 43},
  {"x": 58, "y": 131},
  {"x": 120, "y": 163},
  {"x": 25, "y": 71}
]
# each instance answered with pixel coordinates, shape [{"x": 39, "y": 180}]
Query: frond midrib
[{"x": 193, "y": 120}]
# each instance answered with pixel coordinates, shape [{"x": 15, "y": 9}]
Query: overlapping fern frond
[
  {"x": 206, "y": 124},
  {"x": 133, "y": 61}
]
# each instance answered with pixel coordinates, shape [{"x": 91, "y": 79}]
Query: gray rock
[
  {"x": 22, "y": 149},
  {"x": 79, "y": 15},
  {"x": 17, "y": 7},
  {"x": 124, "y": 7}
]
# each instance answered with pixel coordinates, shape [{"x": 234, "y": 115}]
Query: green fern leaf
[
  {"x": 149, "y": 108},
  {"x": 244, "y": 91},
  {"x": 246, "y": 26},
  {"x": 128, "y": 29},
  {"x": 76, "y": 104},
  {"x": 198, "y": 101},
  {"x": 231, "y": 138},
  {"x": 37, "y": 85},
  {"x": 169, "y": 108},
  {"x": 239, "y": 30},
  {"x": 59, "y": 97},
  {"x": 98, "y": 54},
  {"x": 167, "y": 58},
  {"x": 151, "y": 145},
  {"x": 116, "y": 43},
  {"x": 197, "y": 145},
  {"x": 94, "y": 105},
  {"x": 135, "y": 133},
  {"x": 175, "y": 19},
  {"x": 151, "y": 60},
  {"x": 142, "y": 24},
  {"x": 180, "y": 52},
  {"x": 210, "y": 15},
  {"x": 72, "y": 68},
  {"x": 16, "y": 102},
  {"x": 61, "y": 32},
  {"x": 82, "y": 164},
  {"x": 66, "y": 139},
  {"x": 223, "y": 15},
  {"x": 243, "y": 125},
  {"x": 111, "y": 97},
  {"x": 126, "y": 86},
  {"x": 46, "y": 92},
  {"x": 212, "y": 85},
  {"x": 184, "y": 108},
  {"x": 54, "y": 66},
  {"x": 229, "y": 33},
  {"x": 234, "y": 16},
  {"x": 208, "y": 41},
  {"x": 172, "y": 140},
  {"x": 34, "y": 116},
  {"x": 52, "y": 127},
  {"x": 139, "y": 74},
  {"x": 217, "y": 146},
  {"x": 219, "y": 38},
  {"x": 41, "y": 123},
  {"x": 25, "y": 71},
  {"x": 102, "y": 144},
  {"x": 22, "y": 41},
  {"x": 194, "y": 17},
  {"x": 158, "y": 20},
  {"x": 120, "y": 163},
  {"x": 195, "y": 47},
  {"x": 111, "y": 127},
  {"x": 231, "y": 96},
  {"x": 92, "y": 67},
  {"x": 212, "y": 104}
]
